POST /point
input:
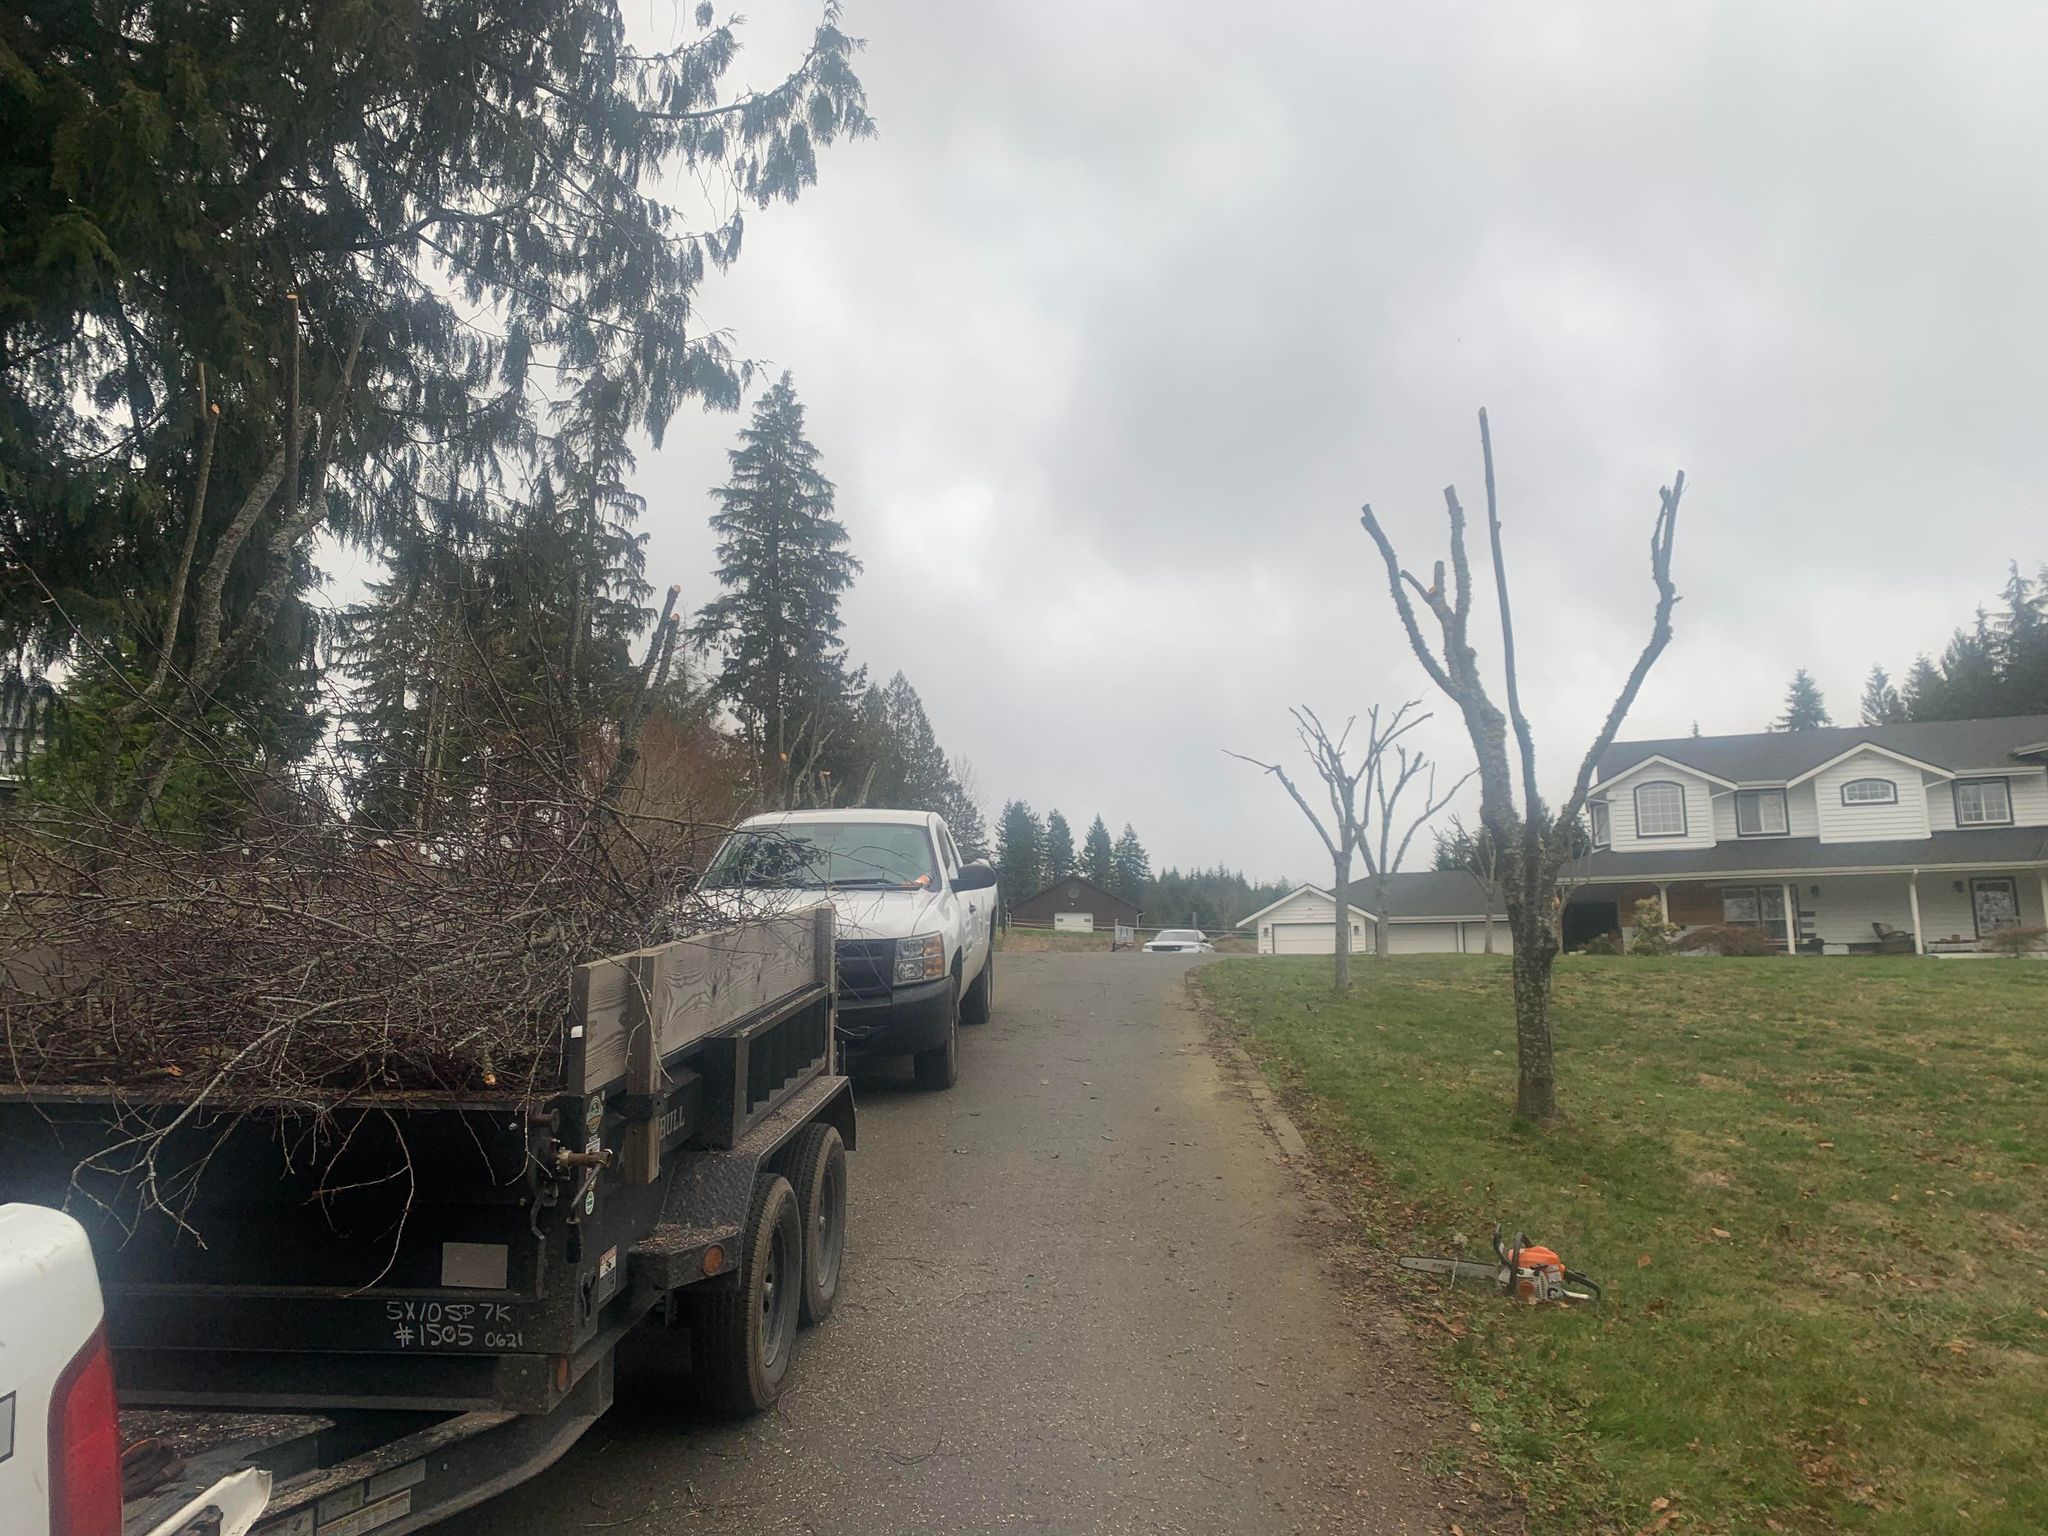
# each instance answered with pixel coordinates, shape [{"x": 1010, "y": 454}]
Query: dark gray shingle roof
[
  {"x": 1974, "y": 845},
  {"x": 1779, "y": 755}
]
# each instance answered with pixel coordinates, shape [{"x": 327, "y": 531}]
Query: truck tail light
[{"x": 85, "y": 1446}]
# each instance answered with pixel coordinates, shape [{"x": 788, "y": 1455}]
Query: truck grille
[{"x": 866, "y": 968}]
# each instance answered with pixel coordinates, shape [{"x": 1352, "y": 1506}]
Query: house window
[
  {"x": 1760, "y": 813},
  {"x": 1995, "y": 903},
  {"x": 1870, "y": 792},
  {"x": 1660, "y": 809},
  {"x": 1754, "y": 906},
  {"x": 1983, "y": 803},
  {"x": 1603, "y": 824}
]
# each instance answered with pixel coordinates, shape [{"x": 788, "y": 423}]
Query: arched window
[
  {"x": 1870, "y": 792},
  {"x": 1660, "y": 809}
]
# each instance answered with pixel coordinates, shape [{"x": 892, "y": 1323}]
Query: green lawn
[{"x": 1813, "y": 1189}]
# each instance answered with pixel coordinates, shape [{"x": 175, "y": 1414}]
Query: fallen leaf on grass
[
  {"x": 1642, "y": 1261},
  {"x": 1720, "y": 1232}
]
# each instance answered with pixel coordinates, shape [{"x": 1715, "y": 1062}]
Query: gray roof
[
  {"x": 1774, "y": 756},
  {"x": 1750, "y": 855}
]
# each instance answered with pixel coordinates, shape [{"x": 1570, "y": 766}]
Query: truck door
[{"x": 973, "y": 913}]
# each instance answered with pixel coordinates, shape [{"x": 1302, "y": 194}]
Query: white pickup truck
[
  {"x": 60, "y": 1432},
  {"x": 916, "y": 922}
]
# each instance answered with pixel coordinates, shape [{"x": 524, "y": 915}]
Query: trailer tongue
[{"x": 400, "y": 1307}]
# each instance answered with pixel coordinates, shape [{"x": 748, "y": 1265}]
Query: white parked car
[
  {"x": 60, "y": 1428},
  {"x": 916, "y": 922},
  {"x": 1179, "y": 941}
]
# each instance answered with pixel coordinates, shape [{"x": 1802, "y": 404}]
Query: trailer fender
[{"x": 708, "y": 1194}]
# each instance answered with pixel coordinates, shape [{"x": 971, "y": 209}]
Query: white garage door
[
  {"x": 1422, "y": 938},
  {"x": 1315, "y": 938},
  {"x": 1475, "y": 938}
]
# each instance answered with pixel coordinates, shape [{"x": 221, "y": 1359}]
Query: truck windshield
[{"x": 818, "y": 854}]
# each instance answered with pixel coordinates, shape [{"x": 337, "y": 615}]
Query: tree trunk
[
  {"x": 1340, "y": 888},
  {"x": 1489, "y": 925},
  {"x": 1381, "y": 940},
  {"x": 1535, "y": 1073}
]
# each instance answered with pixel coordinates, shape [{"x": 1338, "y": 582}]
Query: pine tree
[
  {"x": 1130, "y": 867},
  {"x": 782, "y": 565},
  {"x": 1098, "y": 856},
  {"x": 1925, "y": 693},
  {"x": 1804, "y": 708},
  {"x": 1020, "y": 862},
  {"x": 1882, "y": 704},
  {"x": 1060, "y": 861}
]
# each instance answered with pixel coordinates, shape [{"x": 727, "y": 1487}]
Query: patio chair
[{"x": 1892, "y": 941}]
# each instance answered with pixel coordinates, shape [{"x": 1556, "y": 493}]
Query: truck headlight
[{"x": 921, "y": 959}]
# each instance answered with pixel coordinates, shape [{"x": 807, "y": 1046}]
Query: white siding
[
  {"x": 1904, "y": 819},
  {"x": 1800, "y": 817},
  {"x": 1848, "y": 904},
  {"x": 1307, "y": 912},
  {"x": 2029, "y": 798},
  {"x": 1699, "y": 810}
]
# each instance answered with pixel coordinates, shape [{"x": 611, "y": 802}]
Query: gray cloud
[{"x": 1129, "y": 307}]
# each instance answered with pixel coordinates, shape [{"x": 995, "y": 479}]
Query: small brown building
[{"x": 1073, "y": 895}]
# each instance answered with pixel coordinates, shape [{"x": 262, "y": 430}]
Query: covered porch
[{"x": 1945, "y": 910}]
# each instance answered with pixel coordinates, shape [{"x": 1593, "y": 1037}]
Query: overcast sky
[{"x": 1129, "y": 306}]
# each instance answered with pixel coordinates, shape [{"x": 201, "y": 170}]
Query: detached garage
[{"x": 1430, "y": 912}]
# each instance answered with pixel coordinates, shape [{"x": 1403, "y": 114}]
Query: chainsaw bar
[{"x": 1460, "y": 1269}]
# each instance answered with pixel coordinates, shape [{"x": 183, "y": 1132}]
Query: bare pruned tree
[
  {"x": 1362, "y": 802},
  {"x": 1534, "y": 843},
  {"x": 1388, "y": 779},
  {"x": 1344, "y": 831}
]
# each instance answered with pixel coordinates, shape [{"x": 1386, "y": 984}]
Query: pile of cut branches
[{"x": 307, "y": 966}]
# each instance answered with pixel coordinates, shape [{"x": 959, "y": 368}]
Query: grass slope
[{"x": 1813, "y": 1189}]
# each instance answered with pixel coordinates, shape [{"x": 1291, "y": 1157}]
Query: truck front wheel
[
  {"x": 939, "y": 1067},
  {"x": 981, "y": 997},
  {"x": 741, "y": 1340}
]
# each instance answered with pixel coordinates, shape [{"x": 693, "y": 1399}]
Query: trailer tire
[
  {"x": 939, "y": 1067},
  {"x": 980, "y": 1001},
  {"x": 816, "y": 1165},
  {"x": 741, "y": 1339}
]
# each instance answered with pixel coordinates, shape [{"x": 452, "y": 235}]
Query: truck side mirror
[{"x": 974, "y": 877}]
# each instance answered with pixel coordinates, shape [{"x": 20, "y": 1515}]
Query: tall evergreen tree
[
  {"x": 1020, "y": 859},
  {"x": 270, "y": 277},
  {"x": 1804, "y": 707},
  {"x": 1060, "y": 860},
  {"x": 782, "y": 565},
  {"x": 1882, "y": 704},
  {"x": 1924, "y": 692},
  {"x": 1130, "y": 867},
  {"x": 1098, "y": 856}
]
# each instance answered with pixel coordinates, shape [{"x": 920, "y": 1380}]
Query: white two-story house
[{"x": 1825, "y": 839}]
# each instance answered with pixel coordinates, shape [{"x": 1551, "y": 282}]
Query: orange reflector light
[
  {"x": 561, "y": 1373},
  {"x": 714, "y": 1259}
]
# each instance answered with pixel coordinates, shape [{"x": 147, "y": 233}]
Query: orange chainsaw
[{"x": 1527, "y": 1271}]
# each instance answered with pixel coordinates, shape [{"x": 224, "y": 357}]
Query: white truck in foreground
[
  {"x": 916, "y": 922},
  {"x": 60, "y": 1432}
]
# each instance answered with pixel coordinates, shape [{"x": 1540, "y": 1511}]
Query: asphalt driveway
[{"x": 1084, "y": 1292}]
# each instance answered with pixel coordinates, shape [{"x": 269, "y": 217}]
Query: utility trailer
[{"x": 397, "y": 1309}]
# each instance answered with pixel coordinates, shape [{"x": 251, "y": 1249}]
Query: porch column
[
  {"x": 2044, "y": 895},
  {"x": 1791, "y": 920},
  {"x": 1664, "y": 901},
  {"x": 1913, "y": 894}
]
